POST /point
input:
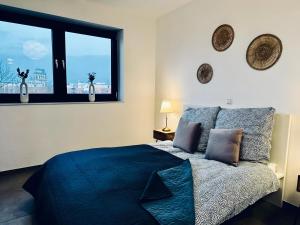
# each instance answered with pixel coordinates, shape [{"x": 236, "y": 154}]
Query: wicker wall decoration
[
  {"x": 205, "y": 73},
  {"x": 223, "y": 37},
  {"x": 264, "y": 51}
]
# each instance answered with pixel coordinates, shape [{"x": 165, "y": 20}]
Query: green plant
[
  {"x": 23, "y": 75},
  {"x": 92, "y": 77}
]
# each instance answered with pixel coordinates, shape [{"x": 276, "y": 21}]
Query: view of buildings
[
  {"x": 83, "y": 88},
  {"x": 38, "y": 83}
]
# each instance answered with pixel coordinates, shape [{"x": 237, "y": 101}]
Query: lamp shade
[{"x": 166, "y": 107}]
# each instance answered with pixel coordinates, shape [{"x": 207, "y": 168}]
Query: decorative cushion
[
  {"x": 207, "y": 117},
  {"x": 187, "y": 136},
  {"x": 257, "y": 124},
  {"x": 224, "y": 145}
]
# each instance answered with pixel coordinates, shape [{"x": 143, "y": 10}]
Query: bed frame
[{"x": 279, "y": 154}]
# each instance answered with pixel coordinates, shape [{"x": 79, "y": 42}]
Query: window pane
[
  {"x": 88, "y": 54},
  {"x": 26, "y": 47}
]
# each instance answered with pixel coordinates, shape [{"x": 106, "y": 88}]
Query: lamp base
[{"x": 166, "y": 129}]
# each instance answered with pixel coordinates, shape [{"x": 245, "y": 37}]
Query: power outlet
[
  {"x": 229, "y": 101},
  {"x": 298, "y": 184}
]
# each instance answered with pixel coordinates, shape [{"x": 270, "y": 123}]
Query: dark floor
[
  {"x": 264, "y": 213},
  {"x": 17, "y": 207}
]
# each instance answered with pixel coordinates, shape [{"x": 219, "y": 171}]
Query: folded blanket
[{"x": 168, "y": 196}]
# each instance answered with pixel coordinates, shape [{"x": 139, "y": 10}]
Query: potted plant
[
  {"x": 24, "y": 95},
  {"x": 92, "y": 93}
]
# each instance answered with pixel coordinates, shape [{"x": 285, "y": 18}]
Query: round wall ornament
[
  {"x": 264, "y": 51},
  {"x": 223, "y": 37},
  {"x": 205, "y": 73}
]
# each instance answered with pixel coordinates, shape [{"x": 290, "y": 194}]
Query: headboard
[
  {"x": 279, "y": 152},
  {"x": 280, "y": 141}
]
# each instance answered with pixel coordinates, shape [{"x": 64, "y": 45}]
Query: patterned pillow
[
  {"x": 257, "y": 124},
  {"x": 207, "y": 117}
]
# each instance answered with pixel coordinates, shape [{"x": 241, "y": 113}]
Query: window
[
  {"x": 95, "y": 52},
  {"x": 60, "y": 53},
  {"x": 25, "y": 47}
]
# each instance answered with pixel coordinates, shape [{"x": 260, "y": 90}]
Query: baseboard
[{"x": 8, "y": 172}]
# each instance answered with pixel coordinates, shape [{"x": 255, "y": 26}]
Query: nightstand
[{"x": 163, "y": 136}]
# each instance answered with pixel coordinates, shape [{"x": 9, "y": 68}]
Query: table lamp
[{"x": 166, "y": 107}]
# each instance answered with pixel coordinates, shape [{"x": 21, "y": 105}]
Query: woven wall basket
[
  {"x": 223, "y": 37},
  {"x": 264, "y": 51},
  {"x": 205, "y": 73}
]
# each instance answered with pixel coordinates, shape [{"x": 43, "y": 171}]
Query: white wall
[
  {"x": 31, "y": 134},
  {"x": 184, "y": 43}
]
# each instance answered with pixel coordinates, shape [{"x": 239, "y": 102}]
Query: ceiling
[{"x": 151, "y": 8}]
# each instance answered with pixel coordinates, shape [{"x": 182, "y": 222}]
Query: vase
[
  {"x": 24, "y": 95},
  {"x": 92, "y": 96}
]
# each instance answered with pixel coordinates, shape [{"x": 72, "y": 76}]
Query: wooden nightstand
[{"x": 163, "y": 136}]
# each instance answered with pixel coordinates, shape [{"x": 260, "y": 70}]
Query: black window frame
[{"x": 60, "y": 25}]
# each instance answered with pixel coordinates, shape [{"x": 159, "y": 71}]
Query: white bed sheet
[{"x": 222, "y": 191}]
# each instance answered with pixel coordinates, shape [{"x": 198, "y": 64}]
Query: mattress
[{"x": 222, "y": 191}]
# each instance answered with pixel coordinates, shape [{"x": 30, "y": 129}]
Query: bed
[
  {"x": 106, "y": 185},
  {"x": 222, "y": 191}
]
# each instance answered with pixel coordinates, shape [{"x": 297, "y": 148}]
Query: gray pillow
[
  {"x": 257, "y": 124},
  {"x": 187, "y": 136},
  {"x": 224, "y": 145},
  {"x": 207, "y": 117}
]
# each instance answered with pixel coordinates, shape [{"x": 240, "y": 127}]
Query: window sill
[{"x": 61, "y": 103}]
